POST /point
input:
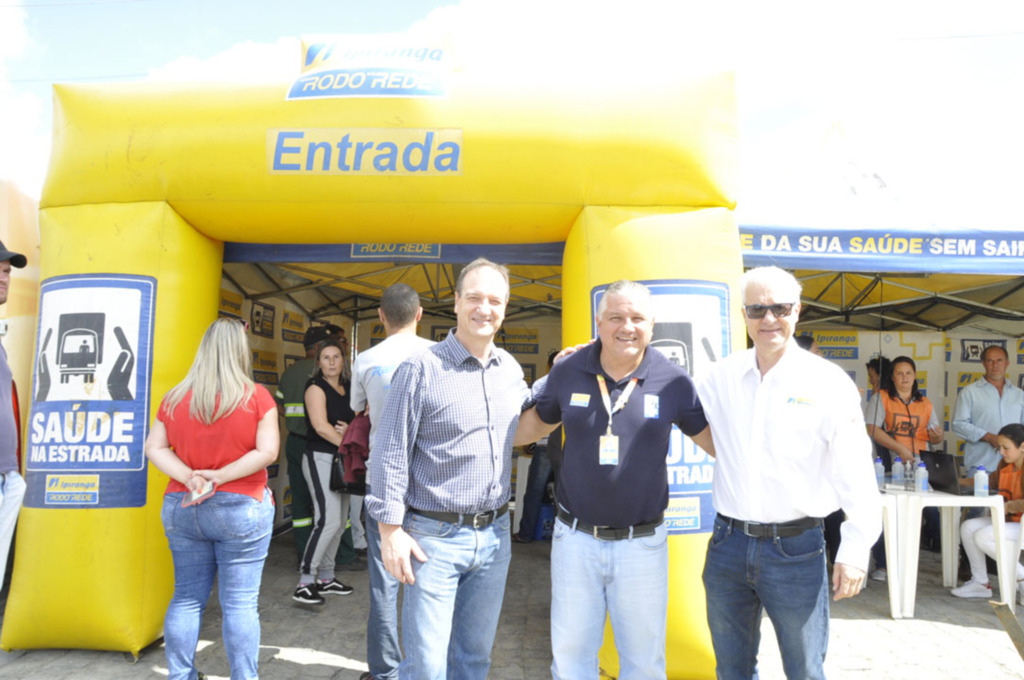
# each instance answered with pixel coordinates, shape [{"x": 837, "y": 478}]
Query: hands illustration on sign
[
  {"x": 117, "y": 381},
  {"x": 43, "y": 370}
]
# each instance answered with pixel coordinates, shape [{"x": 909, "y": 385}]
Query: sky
[{"x": 899, "y": 112}]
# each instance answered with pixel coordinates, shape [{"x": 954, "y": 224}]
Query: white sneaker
[
  {"x": 973, "y": 589},
  {"x": 879, "y": 575}
]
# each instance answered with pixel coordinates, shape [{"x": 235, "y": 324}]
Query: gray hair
[
  {"x": 635, "y": 291},
  {"x": 779, "y": 280}
]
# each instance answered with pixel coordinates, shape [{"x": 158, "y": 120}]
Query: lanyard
[{"x": 619, "y": 403}]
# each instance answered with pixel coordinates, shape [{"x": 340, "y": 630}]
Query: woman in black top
[{"x": 327, "y": 417}]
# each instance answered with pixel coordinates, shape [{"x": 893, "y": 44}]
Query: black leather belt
[
  {"x": 782, "y": 529},
  {"x": 478, "y": 520},
  {"x": 611, "y": 533}
]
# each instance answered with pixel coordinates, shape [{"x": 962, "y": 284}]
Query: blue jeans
[
  {"x": 12, "y": 491},
  {"x": 227, "y": 536},
  {"x": 787, "y": 578},
  {"x": 383, "y": 653},
  {"x": 626, "y": 579},
  {"x": 536, "y": 480},
  {"x": 450, "y": 615}
]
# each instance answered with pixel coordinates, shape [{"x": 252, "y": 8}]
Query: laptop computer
[{"x": 943, "y": 474}]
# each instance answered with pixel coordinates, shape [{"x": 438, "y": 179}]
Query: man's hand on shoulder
[
  {"x": 571, "y": 349},
  {"x": 847, "y": 581},
  {"x": 397, "y": 548}
]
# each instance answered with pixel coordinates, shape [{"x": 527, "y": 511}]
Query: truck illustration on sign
[{"x": 80, "y": 345}]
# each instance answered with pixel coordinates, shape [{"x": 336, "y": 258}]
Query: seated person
[{"x": 977, "y": 534}]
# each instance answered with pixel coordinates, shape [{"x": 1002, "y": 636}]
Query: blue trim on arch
[{"x": 413, "y": 253}]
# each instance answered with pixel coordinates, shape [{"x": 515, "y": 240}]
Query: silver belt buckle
[{"x": 480, "y": 520}]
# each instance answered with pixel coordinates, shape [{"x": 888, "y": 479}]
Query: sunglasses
[{"x": 778, "y": 310}]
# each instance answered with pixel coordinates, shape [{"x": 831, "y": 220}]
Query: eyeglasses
[{"x": 778, "y": 310}]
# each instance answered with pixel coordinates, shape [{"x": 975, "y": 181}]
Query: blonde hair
[{"x": 220, "y": 378}]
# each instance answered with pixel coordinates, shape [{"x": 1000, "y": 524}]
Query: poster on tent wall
[
  {"x": 91, "y": 392},
  {"x": 692, "y": 330}
]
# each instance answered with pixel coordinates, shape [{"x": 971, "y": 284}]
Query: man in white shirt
[
  {"x": 400, "y": 312},
  {"x": 791, "y": 447},
  {"x": 983, "y": 407}
]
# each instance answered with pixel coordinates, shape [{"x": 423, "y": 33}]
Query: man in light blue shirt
[
  {"x": 983, "y": 407},
  {"x": 399, "y": 312}
]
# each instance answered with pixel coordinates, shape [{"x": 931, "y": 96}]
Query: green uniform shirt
[{"x": 291, "y": 392}]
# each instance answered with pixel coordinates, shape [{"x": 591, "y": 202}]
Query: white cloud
[
  {"x": 24, "y": 139},
  {"x": 244, "y": 62},
  {"x": 943, "y": 136}
]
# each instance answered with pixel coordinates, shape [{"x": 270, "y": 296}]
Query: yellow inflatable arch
[{"x": 148, "y": 182}]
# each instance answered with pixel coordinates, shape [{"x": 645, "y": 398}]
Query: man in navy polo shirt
[{"x": 617, "y": 403}]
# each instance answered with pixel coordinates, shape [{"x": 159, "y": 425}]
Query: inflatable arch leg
[
  {"x": 690, "y": 259},
  {"x": 121, "y": 283}
]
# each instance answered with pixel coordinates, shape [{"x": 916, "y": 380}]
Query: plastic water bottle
[
  {"x": 879, "y": 473},
  {"x": 981, "y": 482},
  {"x": 921, "y": 478},
  {"x": 897, "y": 471}
]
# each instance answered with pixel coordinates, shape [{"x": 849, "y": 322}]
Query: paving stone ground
[{"x": 949, "y": 638}]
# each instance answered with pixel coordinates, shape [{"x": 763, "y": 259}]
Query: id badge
[{"x": 609, "y": 449}]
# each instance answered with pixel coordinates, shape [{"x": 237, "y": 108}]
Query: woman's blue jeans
[{"x": 228, "y": 535}]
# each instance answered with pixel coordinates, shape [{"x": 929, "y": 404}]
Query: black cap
[
  {"x": 17, "y": 259},
  {"x": 317, "y": 334}
]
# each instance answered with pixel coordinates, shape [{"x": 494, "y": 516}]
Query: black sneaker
[
  {"x": 334, "y": 587},
  {"x": 307, "y": 594}
]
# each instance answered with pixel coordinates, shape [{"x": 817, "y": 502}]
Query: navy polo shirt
[{"x": 636, "y": 490}]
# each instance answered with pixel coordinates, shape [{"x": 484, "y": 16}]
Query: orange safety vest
[
  {"x": 907, "y": 423},
  {"x": 1010, "y": 488}
]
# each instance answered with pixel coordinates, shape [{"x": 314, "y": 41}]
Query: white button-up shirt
[{"x": 792, "y": 444}]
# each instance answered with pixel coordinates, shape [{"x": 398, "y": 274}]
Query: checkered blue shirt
[{"x": 445, "y": 436}]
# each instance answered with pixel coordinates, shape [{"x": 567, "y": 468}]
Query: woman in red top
[
  {"x": 216, "y": 426},
  {"x": 976, "y": 534}
]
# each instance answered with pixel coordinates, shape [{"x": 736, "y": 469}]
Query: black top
[
  {"x": 635, "y": 490},
  {"x": 337, "y": 410}
]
